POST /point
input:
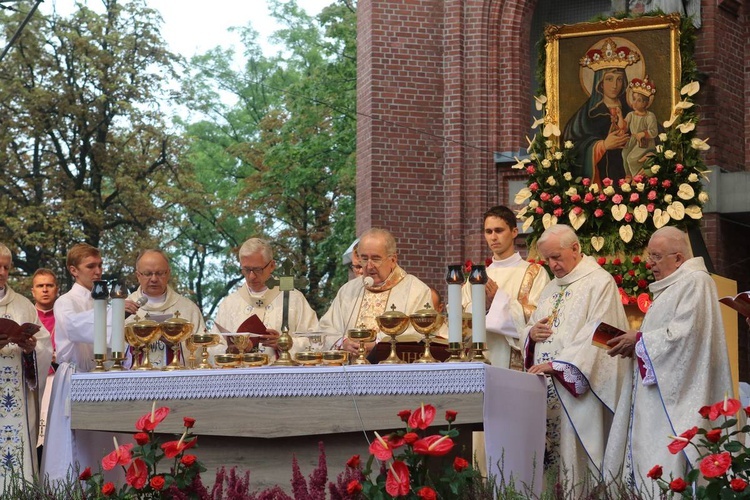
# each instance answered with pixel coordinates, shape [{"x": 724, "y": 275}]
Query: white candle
[
  {"x": 455, "y": 312},
  {"x": 118, "y": 320},
  {"x": 478, "y": 314},
  {"x": 100, "y": 327}
]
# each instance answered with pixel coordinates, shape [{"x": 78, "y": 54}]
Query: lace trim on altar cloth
[
  {"x": 280, "y": 382},
  {"x": 572, "y": 376},
  {"x": 640, "y": 350}
]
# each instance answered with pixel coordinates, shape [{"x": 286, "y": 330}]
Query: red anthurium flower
[
  {"x": 728, "y": 408},
  {"x": 141, "y": 438},
  {"x": 353, "y": 462},
  {"x": 174, "y": 448},
  {"x": 435, "y": 445},
  {"x": 422, "y": 417},
  {"x": 459, "y": 464},
  {"x": 380, "y": 448},
  {"x": 681, "y": 441},
  {"x": 121, "y": 456},
  {"x": 189, "y": 422},
  {"x": 149, "y": 421},
  {"x": 706, "y": 410},
  {"x": 137, "y": 474},
  {"x": 678, "y": 485},
  {"x": 747, "y": 411},
  {"x": 395, "y": 441},
  {"x": 427, "y": 493},
  {"x": 411, "y": 438},
  {"x": 738, "y": 484},
  {"x": 157, "y": 482},
  {"x": 655, "y": 472},
  {"x": 353, "y": 487},
  {"x": 713, "y": 435},
  {"x": 450, "y": 416},
  {"x": 715, "y": 465},
  {"x": 404, "y": 415},
  {"x": 86, "y": 474},
  {"x": 397, "y": 479},
  {"x": 108, "y": 489}
]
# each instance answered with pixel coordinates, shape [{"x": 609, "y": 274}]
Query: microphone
[
  {"x": 368, "y": 281},
  {"x": 142, "y": 300}
]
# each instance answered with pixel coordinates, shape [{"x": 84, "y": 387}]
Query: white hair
[
  {"x": 676, "y": 240},
  {"x": 567, "y": 237},
  {"x": 254, "y": 245}
]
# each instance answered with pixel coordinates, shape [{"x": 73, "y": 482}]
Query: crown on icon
[
  {"x": 609, "y": 56},
  {"x": 643, "y": 87}
]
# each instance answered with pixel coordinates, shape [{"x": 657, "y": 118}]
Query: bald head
[{"x": 668, "y": 249}]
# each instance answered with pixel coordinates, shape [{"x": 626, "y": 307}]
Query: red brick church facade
[{"x": 445, "y": 85}]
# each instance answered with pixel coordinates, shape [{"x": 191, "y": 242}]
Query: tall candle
[
  {"x": 478, "y": 280},
  {"x": 100, "y": 295},
  {"x": 455, "y": 279},
  {"x": 118, "y": 294}
]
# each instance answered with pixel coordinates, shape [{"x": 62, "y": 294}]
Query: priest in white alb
[
  {"x": 512, "y": 290},
  {"x": 682, "y": 363},
  {"x": 583, "y": 382},
  {"x": 363, "y": 299}
]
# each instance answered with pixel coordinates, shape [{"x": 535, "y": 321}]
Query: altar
[{"x": 255, "y": 419}]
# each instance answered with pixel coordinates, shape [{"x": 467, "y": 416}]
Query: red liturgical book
[
  {"x": 740, "y": 303},
  {"x": 16, "y": 332},
  {"x": 603, "y": 333},
  {"x": 253, "y": 324}
]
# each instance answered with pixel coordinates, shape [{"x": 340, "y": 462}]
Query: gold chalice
[
  {"x": 393, "y": 323},
  {"x": 309, "y": 358},
  {"x": 254, "y": 359},
  {"x": 205, "y": 340},
  {"x": 191, "y": 347},
  {"x": 173, "y": 332},
  {"x": 426, "y": 322},
  {"x": 228, "y": 360},
  {"x": 147, "y": 331},
  {"x": 134, "y": 342},
  {"x": 335, "y": 357},
  {"x": 361, "y": 335},
  {"x": 241, "y": 342}
]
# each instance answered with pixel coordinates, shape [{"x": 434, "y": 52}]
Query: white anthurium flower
[
  {"x": 534, "y": 156},
  {"x": 640, "y": 213},
  {"x": 551, "y": 129},
  {"x": 686, "y": 127},
  {"x": 576, "y": 220},
  {"x": 571, "y": 191},
  {"x": 693, "y": 177},
  {"x": 655, "y": 168},
  {"x": 568, "y": 176},
  {"x": 521, "y": 213},
  {"x": 685, "y": 191},
  {"x": 609, "y": 191},
  {"x": 683, "y": 105},
  {"x": 663, "y": 136},
  {"x": 597, "y": 242},
  {"x": 670, "y": 122},
  {"x": 669, "y": 154},
  {"x": 523, "y": 195},
  {"x": 548, "y": 220},
  {"x": 690, "y": 89},
  {"x": 625, "y": 187},
  {"x": 703, "y": 197},
  {"x": 694, "y": 212},
  {"x": 540, "y": 101},
  {"x": 594, "y": 188},
  {"x": 520, "y": 163},
  {"x": 537, "y": 122},
  {"x": 676, "y": 210},
  {"x": 660, "y": 218},
  {"x": 700, "y": 145},
  {"x": 704, "y": 174},
  {"x": 619, "y": 211},
  {"x": 546, "y": 163},
  {"x": 626, "y": 233},
  {"x": 527, "y": 223},
  {"x": 531, "y": 144}
]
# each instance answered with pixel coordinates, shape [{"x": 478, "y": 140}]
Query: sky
[{"x": 192, "y": 27}]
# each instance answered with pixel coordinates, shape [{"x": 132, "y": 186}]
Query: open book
[
  {"x": 16, "y": 332},
  {"x": 603, "y": 333},
  {"x": 740, "y": 303}
]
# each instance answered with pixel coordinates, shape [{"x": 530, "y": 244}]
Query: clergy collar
[
  {"x": 45, "y": 312},
  {"x": 507, "y": 262},
  {"x": 158, "y": 300},
  {"x": 254, "y": 293},
  {"x": 689, "y": 266}
]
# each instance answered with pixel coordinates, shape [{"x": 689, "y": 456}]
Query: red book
[
  {"x": 16, "y": 332},
  {"x": 740, "y": 303},
  {"x": 603, "y": 333}
]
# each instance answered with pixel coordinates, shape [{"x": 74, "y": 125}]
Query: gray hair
[
  {"x": 676, "y": 240},
  {"x": 255, "y": 245},
  {"x": 151, "y": 250},
  {"x": 566, "y": 235},
  {"x": 376, "y": 232},
  {"x": 5, "y": 252}
]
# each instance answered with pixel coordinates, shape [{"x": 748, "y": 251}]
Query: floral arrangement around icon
[
  {"x": 140, "y": 463},
  {"x": 724, "y": 461},
  {"x": 404, "y": 462},
  {"x": 633, "y": 276}
]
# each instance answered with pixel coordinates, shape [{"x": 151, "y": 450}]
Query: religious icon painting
[{"x": 610, "y": 85}]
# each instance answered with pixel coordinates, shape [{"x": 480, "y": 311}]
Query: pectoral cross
[{"x": 286, "y": 284}]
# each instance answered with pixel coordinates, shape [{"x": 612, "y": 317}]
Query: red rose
[
  {"x": 157, "y": 482},
  {"x": 189, "y": 422},
  {"x": 617, "y": 262},
  {"x": 631, "y": 272},
  {"x": 141, "y": 438},
  {"x": 678, "y": 168},
  {"x": 655, "y": 472},
  {"x": 427, "y": 493},
  {"x": 588, "y": 198},
  {"x": 714, "y": 435},
  {"x": 558, "y": 212},
  {"x": 715, "y": 465},
  {"x": 738, "y": 484},
  {"x": 618, "y": 279},
  {"x": 86, "y": 474},
  {"x": 188, "y": 460},
  {"x": 467, "y": 266},
  {"x": 607, "y": 181},
  {"x": 642, "y": 283},
  {"x": 450, "y": 415},
  {"x": 666, "y": 183},
  {"x": 410, "y": 438},
  {"x": 598, "y": 212},
  {"x": 586, "y": 181},
  {"x": 404, "y": 415},
  {"x": 530, "y": 170},
  {"x": 488, "y": 262},
  {"x": 678, "y": 485},
  {"x": 682, "y": 441},
  {"x": 353, "y": 462},
  {"x": 601, "y": 261},
  {"x": 653, "y": 181},
  {"x": 628, "y": 217},
  {"x": 459, "y": 464},
  {"x": 353, "y": 487},
  {"x": 108, "y": 489},
  {"x": 747, "y": 412}
]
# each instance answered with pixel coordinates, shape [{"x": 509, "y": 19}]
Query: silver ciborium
[
  {"x": 426, "y": 322},
  {"x": 393, "y": 323}
]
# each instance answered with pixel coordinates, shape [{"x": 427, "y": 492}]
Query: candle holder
[
  {"x": 426, "y": 322},
  {"x": 393, "y": 323},
  {"x": 456, "y": 349},
  {"x": 361, "y": 335},
  {"x": 118, "y": 358},
  {"x": 477, "y": 353},
  {"x": 99, "y": 359}
]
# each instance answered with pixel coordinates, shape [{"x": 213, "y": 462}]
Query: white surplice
[
  {"x": 507, "y": 316},
  {"x": 580, "y": 409},
  {"x": 22, "y": 384},
  {"x": 683, "y": 342}
]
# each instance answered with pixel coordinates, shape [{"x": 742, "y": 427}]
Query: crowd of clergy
[{"x": 609, "y": 411}]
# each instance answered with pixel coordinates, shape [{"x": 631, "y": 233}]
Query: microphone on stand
[{"x": 368, "y": 281}]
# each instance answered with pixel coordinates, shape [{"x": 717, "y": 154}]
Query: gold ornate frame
[{"x": 656, "y": 37}]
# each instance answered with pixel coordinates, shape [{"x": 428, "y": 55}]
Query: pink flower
[
  {"x": 634, "y": 197},
  {"x": 534, "y": 187},
  {"x": 653, "y": 181},
  {"x": 607, "y": 181},
  {"x": 598, "y": 212},
  {"x": 397, "y": 481},
  {"x": 577, "y": 210},
  {"x": 586, "y": 182},
  {"x": 544, "y": 196},
  {"x": 557, "y": 200},
  {"x": 651, "y": 195},
  {"x": 666, "y": 183},
  {"x": 539, "y": 210},
  {"x": 628, "y": 217},
  {"x": 715, "y": 465},
  {"x": 422, "y": 417},
  {"x": 530, "y": 170},
  {"x": 588, "y": 198},
  {"x": 617, "y": 199},
  {"x": 678, "y": 168},
  {"x": 650, "y": 207},
  {"x": 602, "y": 197},
  {"x": 558, "y": 212},
  {"x": 576, "y": 198},
  {"x": 638, "y": 178}
]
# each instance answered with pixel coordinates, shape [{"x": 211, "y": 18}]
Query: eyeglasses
[
  {"x": 157, "y": 274},
  {"x": 355, "y": 267},
  {"x": 656, "y": 258},
  {"x": 375, "y": 261},
  {"x": 255, "y": 270}
]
